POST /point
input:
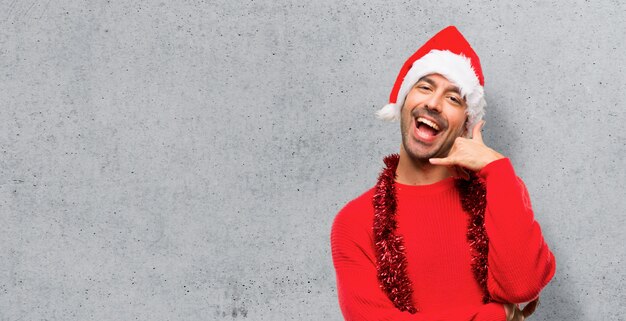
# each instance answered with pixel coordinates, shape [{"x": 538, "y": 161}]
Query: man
[{"x": 447, "y": 232}]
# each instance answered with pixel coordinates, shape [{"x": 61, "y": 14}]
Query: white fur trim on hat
[
  {"x": 390, "y": 112},
  {"x": 457, "y": 69}
]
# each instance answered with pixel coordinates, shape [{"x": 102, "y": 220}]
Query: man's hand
[
  {"x": 513, "y": 313},
  {"x": 471, "y": 154}
]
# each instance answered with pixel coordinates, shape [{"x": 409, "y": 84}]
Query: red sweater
[{"x": 434, "y": 225}]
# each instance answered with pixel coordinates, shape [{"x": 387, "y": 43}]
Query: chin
[{"x": 415, "y": 153}]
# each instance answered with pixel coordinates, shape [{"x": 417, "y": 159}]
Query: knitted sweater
[{"x": 433, "y": 224}]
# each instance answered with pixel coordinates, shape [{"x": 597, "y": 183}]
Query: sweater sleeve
[
  {"x": 361, "y": 298},
  {"x": 520, "y": 262}
]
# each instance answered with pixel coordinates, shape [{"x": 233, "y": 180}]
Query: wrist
[
  {"x": 501, "y": 169},
  {"x": 491, "y": 157}
]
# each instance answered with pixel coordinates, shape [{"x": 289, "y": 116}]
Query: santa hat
[{"x": 447, "y": 53}]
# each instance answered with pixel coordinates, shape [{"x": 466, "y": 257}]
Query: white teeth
[{"x": 428, "y": 122}]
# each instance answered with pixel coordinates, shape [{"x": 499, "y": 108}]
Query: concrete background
[{"x": 184, "y": 161}]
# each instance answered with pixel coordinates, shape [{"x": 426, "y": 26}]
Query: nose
[{"x": 434, "y": 102}]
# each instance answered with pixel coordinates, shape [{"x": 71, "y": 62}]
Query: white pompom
[{"x": 390, "y": 112}]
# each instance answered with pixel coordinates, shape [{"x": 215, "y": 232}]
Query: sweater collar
[{"x": 428, "y": 189}]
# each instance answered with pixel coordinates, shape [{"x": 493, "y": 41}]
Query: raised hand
[{"x": 468, "y": 153}]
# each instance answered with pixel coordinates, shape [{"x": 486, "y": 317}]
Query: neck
[{"x": 418, "y": 171}]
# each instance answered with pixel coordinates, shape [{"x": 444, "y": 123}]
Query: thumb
[{"x": 476, "y": 131}]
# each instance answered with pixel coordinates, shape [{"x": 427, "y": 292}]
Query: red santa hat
[{"x": 447, "y": 53}]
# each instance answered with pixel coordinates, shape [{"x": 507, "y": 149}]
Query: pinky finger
[{"x": 441, "y": 161}]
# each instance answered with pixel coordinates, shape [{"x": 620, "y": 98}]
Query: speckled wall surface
[{"x": 184, "y": 161}]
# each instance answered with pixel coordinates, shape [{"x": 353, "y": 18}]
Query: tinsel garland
[
  {"x": 474, "y": 202},
  {"x": 391, "y": 261}
]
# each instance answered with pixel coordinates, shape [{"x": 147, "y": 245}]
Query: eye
[{"x": 455, "y": 100}]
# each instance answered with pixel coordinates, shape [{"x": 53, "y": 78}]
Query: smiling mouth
[{"x": 426, "y": 128}]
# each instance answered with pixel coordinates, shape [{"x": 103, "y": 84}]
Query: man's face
[{"x": 432, "y": 102}]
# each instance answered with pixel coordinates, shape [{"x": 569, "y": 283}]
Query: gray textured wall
[{"x": 184, "y": 161}]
